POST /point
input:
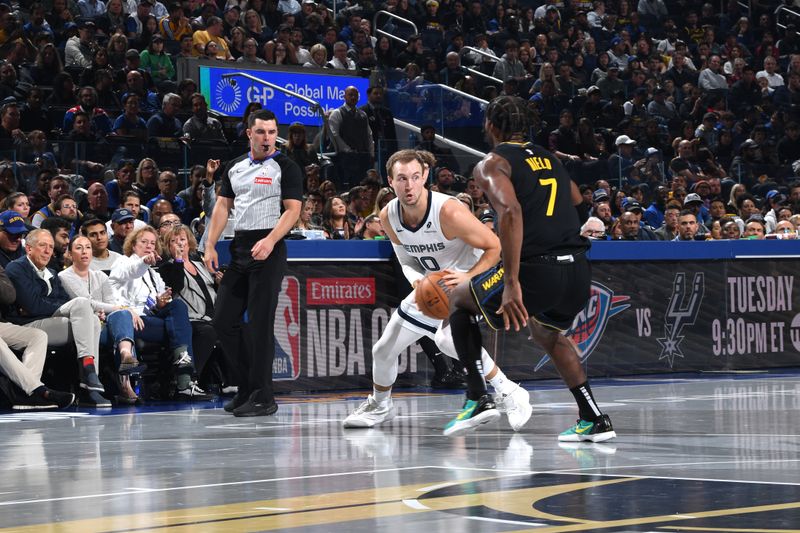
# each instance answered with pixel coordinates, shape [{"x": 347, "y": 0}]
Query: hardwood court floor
[{"x": 708, "y": 453}]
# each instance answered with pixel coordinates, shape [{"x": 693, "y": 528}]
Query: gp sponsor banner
[
  {"x": 230, "y": 98},
  {"x": 645, "y": 317}
]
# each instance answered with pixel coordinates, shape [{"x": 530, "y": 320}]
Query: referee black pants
[{"x": 252, "y": 286}]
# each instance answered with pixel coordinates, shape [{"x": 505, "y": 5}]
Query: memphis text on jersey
[{"x": 424, "y": 248}]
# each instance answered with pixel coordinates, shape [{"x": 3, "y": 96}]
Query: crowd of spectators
[
  {"x": 717, "y": 210},
  {"x": 679, "y": 120}
]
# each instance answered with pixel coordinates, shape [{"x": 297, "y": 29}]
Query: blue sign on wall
[{"x": 231, "y": 99}]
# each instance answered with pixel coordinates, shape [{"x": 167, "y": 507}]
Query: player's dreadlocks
[{"x": 511, "y": 115}]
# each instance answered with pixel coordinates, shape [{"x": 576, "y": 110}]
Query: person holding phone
[
  {"x": 163, "y": 318},
  {"x": 192, "y": 283}
]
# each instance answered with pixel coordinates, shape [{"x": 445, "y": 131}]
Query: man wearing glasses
[
  {"x": 594, "y": 229},
  {"x": 168, "y": 190},
  {"x": 167, "y": 223},
  {"x": 12, "y": 231},
  {"x": 250, "y": 54}
]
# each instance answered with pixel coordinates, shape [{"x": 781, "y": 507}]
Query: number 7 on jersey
[{"x": 551, "y": 202}]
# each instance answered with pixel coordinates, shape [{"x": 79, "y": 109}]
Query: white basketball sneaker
[
  {"x": 516, "y": 405},
  {"x": 370, "y": 413}
]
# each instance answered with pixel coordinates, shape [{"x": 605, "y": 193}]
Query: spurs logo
[{"x": 682, "y": 311}]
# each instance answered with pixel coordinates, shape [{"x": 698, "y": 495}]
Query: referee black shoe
[
  {"x": 255, "y": 406},
  {"x": 237, "y": 401}
]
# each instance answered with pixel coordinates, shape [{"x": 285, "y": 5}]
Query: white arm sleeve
[{"x": 412, "y": 270}]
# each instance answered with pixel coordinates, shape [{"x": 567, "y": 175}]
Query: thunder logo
[{"x": 588, "y": 327}]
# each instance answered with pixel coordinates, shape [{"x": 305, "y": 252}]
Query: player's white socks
[
  {"x": 381, "y": 395},
  {"x": 501, "y": 384},
  {"x": 487, "y": 362}
]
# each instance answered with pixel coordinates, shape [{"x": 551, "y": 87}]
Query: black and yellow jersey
[{"x": 543, "y": 188}]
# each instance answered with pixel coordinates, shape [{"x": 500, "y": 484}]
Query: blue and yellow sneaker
[
  {"x": 473, "y": 414},
  {"x": 598, "y": 431}
]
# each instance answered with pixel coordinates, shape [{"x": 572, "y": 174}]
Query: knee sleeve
[
  {"x": 395, "y": 339},
  {"x": 444, "y": 340}
]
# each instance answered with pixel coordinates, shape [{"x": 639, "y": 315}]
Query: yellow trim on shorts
[
  {"x": 547, "y": 325},
  {"x": 480, "y": 307}
]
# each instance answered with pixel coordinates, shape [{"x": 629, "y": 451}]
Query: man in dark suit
[
  {"x": 43, "y": 303},
  {"x": 21, "y": 380},
  {"x": 355, "y": 149},
  {"x": 381, "y": 122}
]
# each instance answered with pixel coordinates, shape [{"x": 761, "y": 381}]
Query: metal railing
[
  {"x": 478, "y": 51},
  {"x": 746, "y": 5},
  {"x": 448, "y": 142},
  {"x": 378, "y": 31},
  {"x": 783, "y": 24},
  {"x": 455, "y": 91},
  {"x": 482, "y": 75},
  {"x": 474, "y": 72}
]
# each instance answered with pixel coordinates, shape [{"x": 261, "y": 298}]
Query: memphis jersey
[
  {"x": 426, "y": 243},
  {"x": 433, "y": 251}
]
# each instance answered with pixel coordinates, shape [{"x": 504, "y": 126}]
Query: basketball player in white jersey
[{"x": 430, "y": 232}]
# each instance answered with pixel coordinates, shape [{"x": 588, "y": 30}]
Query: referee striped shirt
[{"x": 259, "y": 187}]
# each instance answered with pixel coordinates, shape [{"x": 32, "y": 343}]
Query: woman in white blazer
[{"x": 141, "y": 288}]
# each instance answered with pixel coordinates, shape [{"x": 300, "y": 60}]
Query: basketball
[{"x": 432, "y": 296}]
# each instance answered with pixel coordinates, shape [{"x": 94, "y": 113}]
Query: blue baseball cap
[
  {"x": 776, "y": 196},
  {"x": 12, "y": 222},
  {"x": 630, "y": 204},
  {"x": 122, "y": 215},
  {"x": 600, "y": 195}
]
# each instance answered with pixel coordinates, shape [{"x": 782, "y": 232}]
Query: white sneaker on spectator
[
  {"x": 516, "y": 405},
  {"x": 370, "y": 413},
  {"x": 193, "y": 393}
]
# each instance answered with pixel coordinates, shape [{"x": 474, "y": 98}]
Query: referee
[{"x": 264, "y": 188}]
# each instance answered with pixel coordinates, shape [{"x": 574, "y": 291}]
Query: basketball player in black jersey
[{"x": 544, "y": 278}]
